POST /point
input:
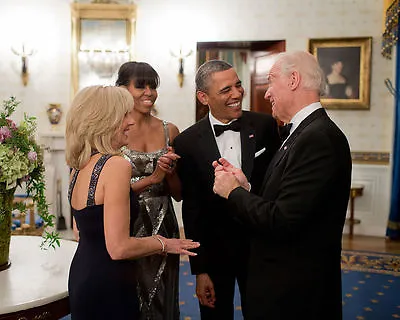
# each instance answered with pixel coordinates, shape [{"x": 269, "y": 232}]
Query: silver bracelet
[
  {"x": 155, "y": 236},
  {"x": 136, "y": 179}
]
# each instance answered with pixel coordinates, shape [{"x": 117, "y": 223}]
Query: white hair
[{"x": 313, "y": 78}]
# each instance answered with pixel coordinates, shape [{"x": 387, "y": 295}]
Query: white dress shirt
[
  {"x": 301, "y": 115},
  {"x": 228, "y": 143}
]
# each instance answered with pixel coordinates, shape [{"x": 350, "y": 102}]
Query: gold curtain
[{"x": 391, "y": 10}]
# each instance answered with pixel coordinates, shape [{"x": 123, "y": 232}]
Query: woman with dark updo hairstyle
[
  {"x": 155, "y": 181},
  {"x": 337, "y": 84}
]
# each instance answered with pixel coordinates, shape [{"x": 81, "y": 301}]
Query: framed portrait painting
[{"x": 346, "y": 63}]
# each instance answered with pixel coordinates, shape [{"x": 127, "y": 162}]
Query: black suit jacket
[
  {"x": 297, "y": 223},
  {"x": 205, "y": 215}
]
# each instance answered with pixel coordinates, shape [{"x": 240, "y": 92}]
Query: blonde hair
[{"x": 95, "y": 115}]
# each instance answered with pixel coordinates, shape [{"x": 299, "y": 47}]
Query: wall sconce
[
  {"x": 24, "y": 53},
  {"x": 181, "y": 56}
]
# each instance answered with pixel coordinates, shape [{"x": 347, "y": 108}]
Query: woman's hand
[
  {"x": 167, "y": 162},
  {"x": 179, "y": 246},
  {"x": 158, "y": 175}
]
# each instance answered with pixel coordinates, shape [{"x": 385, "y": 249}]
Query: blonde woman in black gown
[
  {"x": 102, "y": 279},
  {"x": 155, "y": 181}
]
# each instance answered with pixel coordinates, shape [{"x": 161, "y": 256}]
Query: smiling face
[
  {"x": 144, "y": 98},
  {"x": 224, "y": 95},
  {"x": 279, "y": 93}
]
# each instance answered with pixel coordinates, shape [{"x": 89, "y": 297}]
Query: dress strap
[
  {"x": 166, "y": 132},
  {"x": 72, "y": 184},
  {"x": 95, "y": 177}
]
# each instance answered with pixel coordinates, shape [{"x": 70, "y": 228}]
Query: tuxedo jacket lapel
[
  {"x": 248, "y": 142},
  {"x": 207, "y": 144},
  {"x": 282, "y": 152}
]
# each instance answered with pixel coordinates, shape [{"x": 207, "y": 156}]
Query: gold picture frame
[{"x": 346, "y": 63}]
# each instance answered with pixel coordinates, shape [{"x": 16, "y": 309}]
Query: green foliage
[
  {"x": 21, "y": 162},
  {"x": 9, "y": 107}
]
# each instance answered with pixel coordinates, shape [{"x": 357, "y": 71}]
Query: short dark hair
[
  {"x": 141, "y": 73},
  {"x": 206, "y": 70}
]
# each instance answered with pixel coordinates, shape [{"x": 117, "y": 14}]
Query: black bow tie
[
  {"x": 234, "y": 126},
  {"x": 284, "y": 131}
]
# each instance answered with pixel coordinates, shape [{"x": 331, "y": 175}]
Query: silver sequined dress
[{"x": 158, "y": 284}]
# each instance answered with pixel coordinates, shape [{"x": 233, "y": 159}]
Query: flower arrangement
[{"x": 21, "y": 163}]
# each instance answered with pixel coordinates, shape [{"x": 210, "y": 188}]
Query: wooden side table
[{"x": 356, "y": 190}]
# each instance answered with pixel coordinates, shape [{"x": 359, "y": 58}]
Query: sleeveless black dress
[{"x": 99, "y": 287}]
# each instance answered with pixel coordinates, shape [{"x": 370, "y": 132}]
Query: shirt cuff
[{"x": 249, "y": 187}]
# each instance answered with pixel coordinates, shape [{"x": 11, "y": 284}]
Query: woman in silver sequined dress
[{"x": 155, "y": 181}]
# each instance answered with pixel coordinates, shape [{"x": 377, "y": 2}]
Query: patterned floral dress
[{"x": 158, "y": 275}]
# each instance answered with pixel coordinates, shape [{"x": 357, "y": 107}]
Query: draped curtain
[
  {"x": 389, "y": 40},
  {"x": 393, "y": 227}
]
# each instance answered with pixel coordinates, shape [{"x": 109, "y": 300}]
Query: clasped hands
[
  {"x": 165, "y": 166},
  {"x": 167, "y": 161},
  {"x": 228, "y": 178}
]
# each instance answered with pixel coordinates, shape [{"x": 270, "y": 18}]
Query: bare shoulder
[
  {"x": 118, "y": 160},
  {"x": 117, "y": 166},
  {"x": 173, "y": 131}
]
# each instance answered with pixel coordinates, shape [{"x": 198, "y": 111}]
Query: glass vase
[{"x": 6, "y": 205}]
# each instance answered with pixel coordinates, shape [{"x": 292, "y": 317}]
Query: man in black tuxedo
[
  {"x": 249, "y": 140},
  {"x": 297, "y": 221}
]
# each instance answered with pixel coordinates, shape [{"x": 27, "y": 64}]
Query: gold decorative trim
[
  {"x": 367, "y": 157},
  {"x": 103, "y": 11},
  {"x": 390, "y": 35},
  {"x": 371, "y": 262}
]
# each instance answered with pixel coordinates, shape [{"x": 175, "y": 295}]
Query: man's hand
[
  {"x": 227, "y": 178},
  {"x": 205, "y": 290},
  {"x": 167, "y": 162}
]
